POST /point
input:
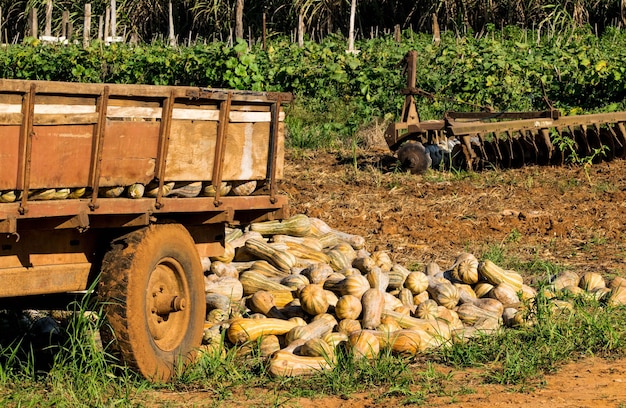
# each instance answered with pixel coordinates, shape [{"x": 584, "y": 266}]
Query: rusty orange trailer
[{"x": 145, "y": 252}]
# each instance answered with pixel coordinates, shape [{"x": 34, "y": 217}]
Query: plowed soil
[{"x": 573, "y": 217}]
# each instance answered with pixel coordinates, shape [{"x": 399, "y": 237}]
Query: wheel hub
[{"x": 166, "y": 304}]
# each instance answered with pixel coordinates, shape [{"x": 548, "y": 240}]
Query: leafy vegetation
[{"x": 338, "y": 93}]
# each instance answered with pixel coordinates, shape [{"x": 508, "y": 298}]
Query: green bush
[{"x": 338, "y": 92}]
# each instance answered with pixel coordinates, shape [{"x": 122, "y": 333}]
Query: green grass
[
  {"x": 506, "y": 254},
  {"x": 518, "y": 356},
  {"x": 82, "y": 374},
  {"x": 74, "y": 372},
  {"x": 313, "y": 123}
]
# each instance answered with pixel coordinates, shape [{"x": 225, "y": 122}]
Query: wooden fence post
[
  {"x": 87, "y": 25},
  {"x": 397, "y": 33}
]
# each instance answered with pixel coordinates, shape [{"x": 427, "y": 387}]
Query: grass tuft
[{"x": 519, "y": 356}]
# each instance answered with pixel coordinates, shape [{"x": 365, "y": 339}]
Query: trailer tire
[{"x": 152, "y": 291}]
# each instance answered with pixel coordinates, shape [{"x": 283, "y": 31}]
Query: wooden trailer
[{"x": 69, "y": 154}]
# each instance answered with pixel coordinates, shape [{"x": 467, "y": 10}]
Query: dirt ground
[
  {"x": 589, "y": 383},
  {"x": 572, "y": 217}
]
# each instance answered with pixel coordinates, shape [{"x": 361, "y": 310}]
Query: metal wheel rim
[{"x": 167, "y": 282}]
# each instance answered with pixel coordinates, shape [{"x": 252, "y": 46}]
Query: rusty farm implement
[{"x": 479, "y": 140}]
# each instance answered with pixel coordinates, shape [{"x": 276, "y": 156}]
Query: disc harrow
[{"x": 482, "y": 140}]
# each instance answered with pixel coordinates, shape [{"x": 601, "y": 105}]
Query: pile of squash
[
  {"x": 137, "y": 190},
  {"x": 298, "y": 289}
]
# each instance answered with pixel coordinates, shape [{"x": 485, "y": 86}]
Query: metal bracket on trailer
[{"x": 9, "y": 226}]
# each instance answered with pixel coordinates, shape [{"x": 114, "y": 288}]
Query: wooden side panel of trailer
[
  {"x": 64, "y": 146},
  {"x": 9, "y": 145}
]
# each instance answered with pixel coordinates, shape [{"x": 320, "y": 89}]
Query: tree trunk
[
  {"x": 300, "y": 29},
  {"x": 239, "y": 20},
  {"x": 87, "y": 26},
  {"x": 65, "y": 19},
  {"x": 107, "y": 23},
  {"x": 264, "y": 33},
  {"x": 113, "y": 19},
  {"x": 101, "y": 27},
  {"x": 48, "y": 30},
  {"x": 172, "y": 35},
  {"x": 33, "y": 23},
  {"x": 436, "y": 31},
  {"x": 351, "y": 33}
]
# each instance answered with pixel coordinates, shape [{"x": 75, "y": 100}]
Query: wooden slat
[
  {"x": 246, "y": 151},
  {"x": 247, "y": 117},
  {"x": 10, "y": 118},
  {"x": 118, "y": 206},
  {"x": 139, "y": 91},
  {"x": 133, "y": 112},
  {"x": 54, "y": 108},
  {"x": 66, "y": 119},
  {"x": 192, "y": 146},
  {"x": 55, "y": 119},
  {"x": 191, "y": 152},
  {"x": 45, "y": 279},
  {"x": 128, "y": 153},
  {"x": 47, "y": 113},
  {"x": 61, "y": 156},
  {"x": 9, "y": 156}
]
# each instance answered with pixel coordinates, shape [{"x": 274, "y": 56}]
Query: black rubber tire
[
  {"x": 414, "y": 157},
  {"x": 144, "y": 273}
]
